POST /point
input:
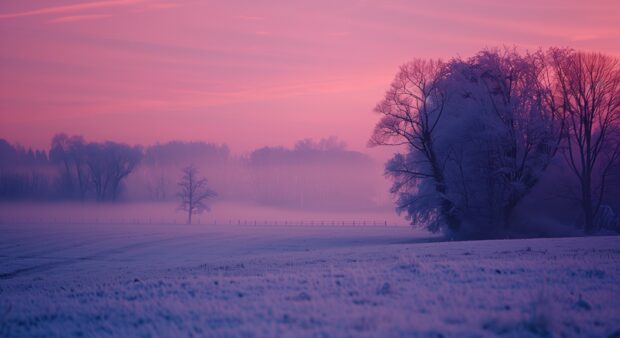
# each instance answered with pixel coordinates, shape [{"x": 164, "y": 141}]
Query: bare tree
[
  {"x": 123, "y": 161},
  {"x": 193, "y": 192},
  {"x": 78, "y": 154},
  {"x": 589, "y": 85},
  {"x": 70, "y": 150},
  {"x": 412, "y": 109},
  {"x": 109, "y": 164},
  {"x": 157, "y": 186}
]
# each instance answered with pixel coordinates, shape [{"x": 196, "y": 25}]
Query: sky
[{"x": 248, "y": 73}]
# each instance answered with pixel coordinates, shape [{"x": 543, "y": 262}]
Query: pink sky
[{"x": 247, "y": 73}]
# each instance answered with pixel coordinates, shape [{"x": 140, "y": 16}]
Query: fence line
[{"x": 199, "y": 222}]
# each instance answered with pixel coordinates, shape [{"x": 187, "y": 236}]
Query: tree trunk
[
  {"x": 447, "y": 207},
  {"x": 588, "y": 212},
  {"x": 454, "y": 223},
  {"x": 80, "y": 181},
  {"x": 508, "y": 209}
]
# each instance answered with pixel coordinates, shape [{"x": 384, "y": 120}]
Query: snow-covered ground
[{"x": 147, "y": 280}]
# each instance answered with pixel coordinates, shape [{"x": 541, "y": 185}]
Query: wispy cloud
[
  {"x": 84, "y": 17},
  {"x": 163, "y": 5},
  {"x": 248, "y": 18},
  {"x": 71, "y": 8},
  {"x": 570, "y": 32},
  {"x": 339, "y": 34}
]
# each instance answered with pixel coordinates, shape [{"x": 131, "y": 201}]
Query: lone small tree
[{"x": 193, "y": 192}]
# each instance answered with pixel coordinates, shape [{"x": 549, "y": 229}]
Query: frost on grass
[{"x": 269, "y": 281}]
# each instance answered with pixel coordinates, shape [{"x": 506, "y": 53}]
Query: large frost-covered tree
[
  {"x": 502, "y": 135},
  {"x": 478, "y": 133}
]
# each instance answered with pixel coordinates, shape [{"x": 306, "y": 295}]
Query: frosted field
[{"x": 146, "y": 280}]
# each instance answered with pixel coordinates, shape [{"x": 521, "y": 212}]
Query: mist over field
[
  {"x": 311, "y": 181},
  {"x": 223, "y": 213}
]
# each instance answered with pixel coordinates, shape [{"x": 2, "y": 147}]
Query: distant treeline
[
  {"x": 71, "y": 169},
  {"x": 320, "y": 175}
]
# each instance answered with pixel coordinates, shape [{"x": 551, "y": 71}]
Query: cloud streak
[
  {"x": 64, "y": 9},
  {"x": 84, "y": 17}
]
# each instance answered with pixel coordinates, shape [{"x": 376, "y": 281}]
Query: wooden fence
[{"x": 204, "y": 222}]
